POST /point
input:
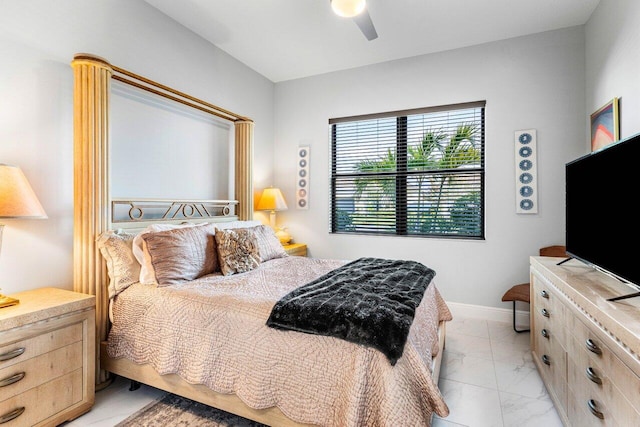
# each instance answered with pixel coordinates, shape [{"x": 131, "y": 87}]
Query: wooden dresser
[
  {"x": 586, "y": 348},
  {"x": 47, "y": 357}
]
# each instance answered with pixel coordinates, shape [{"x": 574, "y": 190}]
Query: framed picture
[{"x": 605, "y": 126}]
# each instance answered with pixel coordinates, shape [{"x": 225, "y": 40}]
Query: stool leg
[{"x": 514, "y": 320}]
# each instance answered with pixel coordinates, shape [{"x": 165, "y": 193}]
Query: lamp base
[
  {"x": 7, "y": 301},
  {"x": 283, "y": 236}
]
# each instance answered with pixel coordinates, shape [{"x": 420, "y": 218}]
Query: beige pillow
[
  {"x": 182, "y": 254},
  {"x": 237, "y": 250},
  {"x": 269, "y": 245},
  {"x": 147, "y": 275},
  {"x": 122, "y": 266}
]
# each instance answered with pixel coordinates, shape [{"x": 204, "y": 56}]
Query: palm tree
[
  {"x": 460, "y": 151},
  {"x": 437, "y": 151}
]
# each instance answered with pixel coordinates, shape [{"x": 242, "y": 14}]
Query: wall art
[
  {"x": 302, "y": 178},
  {"x": 526, "y": 172},
  {"x": 605, "y": 126}
]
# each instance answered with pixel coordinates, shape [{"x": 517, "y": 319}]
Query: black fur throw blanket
[{"x": 369, "y": 301}]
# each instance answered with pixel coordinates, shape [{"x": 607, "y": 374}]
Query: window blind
[{"x": 411, "y": 173}]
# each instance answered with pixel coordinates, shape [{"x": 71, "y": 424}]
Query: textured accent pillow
[
  {"x": 237, "y": 250},
  {"x": 122, "y": 266},
  {"x": 182, "y": 254},
  {"x": 269, "y": 245},
  {"x": 147, "y": 274}
]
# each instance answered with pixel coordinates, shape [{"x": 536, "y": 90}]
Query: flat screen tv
[{"x": 602, "y": 218}]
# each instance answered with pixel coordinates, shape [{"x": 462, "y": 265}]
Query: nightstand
[
  {"x": 296, "y": 249},
  {"x": 47, "y": 357}
]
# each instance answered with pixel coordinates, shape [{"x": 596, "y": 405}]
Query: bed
[{"x": 205, "y": 338}]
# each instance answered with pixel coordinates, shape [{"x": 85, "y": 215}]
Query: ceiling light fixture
[{"x": 348, "y": 8}]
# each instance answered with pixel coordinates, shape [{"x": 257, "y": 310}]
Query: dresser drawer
[
  {"x": 602, "y": 403},
  {"x": 552, "y": 361},
  {"x": 38, "y": 404},
  {"x": 580, "y": 415},
  {"x": 38, "y": 370},
  {"x": 43, "y": 343},
  {"x": 47, "y": 343},
  {"x": 619, "y": 386},
  {"x": 549, "y": 312}
]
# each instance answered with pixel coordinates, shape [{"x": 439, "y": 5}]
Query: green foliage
[{"x": 438, "y": 151}]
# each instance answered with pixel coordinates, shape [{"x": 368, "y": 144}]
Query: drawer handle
[
  {"x": 12, "y": 354},
  {"x": 592, "y": 347},
  {"x": 593, "y": 407},
  {"x": 545, "y": 313},
  {"x": 591, "y": 374},
  {"x": 11, "y": 415},
  {"x": 12, "y": 379},
  {"x": 544, "y": 294},
  {"x": 545, "y": 360},
  {"x": 545, "y": 333}
]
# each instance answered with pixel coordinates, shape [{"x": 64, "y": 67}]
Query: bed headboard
[
  {"x": 93, "y": 203},
  {"x": 134, "y": 215}
]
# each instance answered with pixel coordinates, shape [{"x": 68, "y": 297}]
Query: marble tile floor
[{"x": 487, "y": 378}]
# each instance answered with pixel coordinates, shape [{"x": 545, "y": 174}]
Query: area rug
[{"x": 173, "y": 411}]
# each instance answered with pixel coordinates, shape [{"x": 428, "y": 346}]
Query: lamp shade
[
  {"x": 272, "y": 200},
  {"x": 348, "y": 8},
  {"x": 17, "y": 199}
]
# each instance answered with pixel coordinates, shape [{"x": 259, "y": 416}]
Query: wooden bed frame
[{"x": 93, "y": 208}]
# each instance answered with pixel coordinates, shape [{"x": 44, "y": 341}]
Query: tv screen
[{"x": 602, "y": 221}]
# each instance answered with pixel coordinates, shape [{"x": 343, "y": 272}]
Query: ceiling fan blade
[{"x": 365, "y": 24}]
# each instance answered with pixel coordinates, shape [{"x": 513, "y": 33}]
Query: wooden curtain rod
[{"x": 169, "y": 93}]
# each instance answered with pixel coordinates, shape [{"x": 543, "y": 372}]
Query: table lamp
[
  {"x": 273, "y": 200},
  {"x": 17, "y": 201}
]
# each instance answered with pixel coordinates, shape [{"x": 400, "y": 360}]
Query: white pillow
[
  {"x": 269, "y": 245},
  {"x": 140, "y": 252}
]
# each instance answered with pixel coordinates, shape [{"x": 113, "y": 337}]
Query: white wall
[
  {"x": 612, "y": 42},
  {"x": 529, "y": 82},
  {"x": 38, "y": 39}
]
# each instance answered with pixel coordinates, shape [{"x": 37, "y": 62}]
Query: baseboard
[{"x": 488, "y": 313}]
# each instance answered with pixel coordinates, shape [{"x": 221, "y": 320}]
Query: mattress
[{"x": 213, "y": 331}]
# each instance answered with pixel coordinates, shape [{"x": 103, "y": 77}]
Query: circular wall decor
[
  {"x": 526, "y": 204},
  {"x": 526, "y": 171},
  {"x": 525, "y": 151},
  {"x": 526, "y": 178},
  {"x": 525, "y": 165},
  {"x": 525, "y": 138},
  {"x": 302, "y": 178}
]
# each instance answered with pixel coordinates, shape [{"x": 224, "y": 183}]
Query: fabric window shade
[{"x": 414, "y": 172}]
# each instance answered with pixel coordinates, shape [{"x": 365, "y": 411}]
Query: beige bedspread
[{"x": 212, "y": 331}]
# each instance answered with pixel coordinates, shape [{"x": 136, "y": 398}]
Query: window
[{"x": 409, "y": 173}]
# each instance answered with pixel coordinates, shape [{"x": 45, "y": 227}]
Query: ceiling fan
[{"x": 356, "y": 9}]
